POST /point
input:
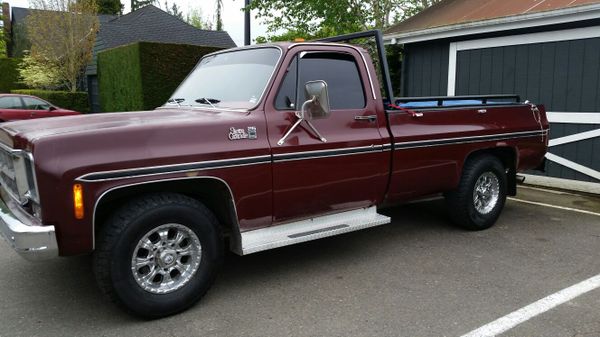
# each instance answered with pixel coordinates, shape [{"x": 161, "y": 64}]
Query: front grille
[{"x": 8, "y": 178}]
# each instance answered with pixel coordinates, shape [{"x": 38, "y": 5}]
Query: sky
[{"x": 233, "y": 17}]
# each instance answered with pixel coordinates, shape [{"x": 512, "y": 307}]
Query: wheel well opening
[
  {"x": 213, "y": 193},
  {"x": 508, "y": 158}
]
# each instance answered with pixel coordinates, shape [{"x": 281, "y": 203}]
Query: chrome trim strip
[
  {"x": 175, "y": 168},
  {"x": 292, "y": 156},
  {"x": 435, "y": 109},
  {"x": 223, "y": 163},
  {"x": 464, "y": 140},
  {"x": 341, "y": 45},
  {"x": 235, "y": 245}
]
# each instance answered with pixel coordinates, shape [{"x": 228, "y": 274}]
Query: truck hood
[{"x": 21, "y": 134}]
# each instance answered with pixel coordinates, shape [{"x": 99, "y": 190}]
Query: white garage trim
[
  {"x": 574, "y": 138},
  {"x": 523, "y": 21},
  {"x": 513, "y": 40},
  {"x": 574, "y": 117},
  {"x": 573, "y": 165}
]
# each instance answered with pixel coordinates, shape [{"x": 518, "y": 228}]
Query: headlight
[{"x": 17, "y": 177}]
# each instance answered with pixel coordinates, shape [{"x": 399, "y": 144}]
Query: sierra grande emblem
[{"x": 237, "y": 134}]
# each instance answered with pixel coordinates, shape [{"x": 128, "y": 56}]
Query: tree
[
  {"x": 2, "y": 37},
  {"x": 219, "y": 13},
  {"x": 137, "y": 4},
  {"x": 173, "y": 10},
  {"x": 321, "y": 18},
  {"x": 194, "y": 18},
  {"x": 39, "y": 75},
  {"x": 112, "y": 7},
  {"x": 62, "y": 35}
]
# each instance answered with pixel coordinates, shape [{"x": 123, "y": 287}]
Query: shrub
[
  {"x": 120, "y": 80},
  {"x": 143, "y": 75},
  {"x": 9, "y": 79},
  {"x": 77, "y": 101}
]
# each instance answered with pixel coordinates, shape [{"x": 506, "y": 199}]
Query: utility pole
[{"x": 247, "y": 24}]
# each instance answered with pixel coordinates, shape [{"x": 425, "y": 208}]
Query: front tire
[
  {"x": 158, "y": 255},
  {"x": 480, "y": 196}
]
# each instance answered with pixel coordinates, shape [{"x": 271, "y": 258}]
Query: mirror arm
[
  {"x": 300, "y": 116},
  {"x": 282, "y": 140},
  {"x": 312, "y": 127}
]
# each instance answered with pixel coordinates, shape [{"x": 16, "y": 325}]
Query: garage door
[{"x": 563, "y": 75}]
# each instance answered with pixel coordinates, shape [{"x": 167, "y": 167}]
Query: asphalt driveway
[{"x": 418, "y": 276}]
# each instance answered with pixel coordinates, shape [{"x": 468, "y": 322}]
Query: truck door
[{"x": 350, "y": 169}]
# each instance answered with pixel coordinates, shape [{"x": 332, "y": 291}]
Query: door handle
[
  {"x": 482, "y": 111},
  {"x": 370, "y": 118}
]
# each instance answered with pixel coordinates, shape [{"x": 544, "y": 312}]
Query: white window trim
[{"x": 522, "y": 21}]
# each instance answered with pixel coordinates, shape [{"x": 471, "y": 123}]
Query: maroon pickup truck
[{"x": 260, "y": 147}]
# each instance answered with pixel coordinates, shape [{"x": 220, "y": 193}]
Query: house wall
[
  {"x": 559, "y": 68},
  {"x": 426, "y": 69}
]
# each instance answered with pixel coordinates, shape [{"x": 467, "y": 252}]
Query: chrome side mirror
[
  {"x": 316, "y": 92},
  {"x": 315, "y": 107}
]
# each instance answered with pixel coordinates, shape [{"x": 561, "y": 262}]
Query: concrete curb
[{"x": 563, "y": 184}]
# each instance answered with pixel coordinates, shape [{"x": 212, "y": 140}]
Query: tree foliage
[
  {"x": 2, "y": 36},
  {"x": 321, "y": 18},
  {"x": 112, "y": 7},
  {"x": 39, "y": 74},
  {"x": 173, "y": 10},
  {"x": 194, "y": 18},
  {"x": 219, "y": 14},
  {"x": 62, "y": 35},
  {"x": 137, "y": 4}
]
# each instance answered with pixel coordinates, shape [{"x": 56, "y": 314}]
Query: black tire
[
  {"x": 466, "y": 205},
  {"x": 143, "y": 219}
]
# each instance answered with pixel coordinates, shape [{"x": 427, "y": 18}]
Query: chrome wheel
[
  {"x": 166, "y": 258},
  {"x": 486, "y": 192}
]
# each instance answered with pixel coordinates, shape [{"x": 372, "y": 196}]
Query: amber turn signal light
[{"x": 78, "y": 201}]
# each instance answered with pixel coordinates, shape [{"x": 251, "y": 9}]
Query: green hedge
[
  {"x": 9, "y": 74},
  {"x": 143, "y": 75},
  {"x": 120, "y": 80},
  {"x": 77, "y": 101}
]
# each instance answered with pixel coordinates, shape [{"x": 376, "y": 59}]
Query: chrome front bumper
[{"x": 24, "y": 233}]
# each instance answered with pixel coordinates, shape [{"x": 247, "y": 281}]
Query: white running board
[{"x": 311, "y": 229}]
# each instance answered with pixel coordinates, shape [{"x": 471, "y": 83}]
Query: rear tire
[
  {"x": 480, "y": 196},
  {"x": 158, "y": 255}
]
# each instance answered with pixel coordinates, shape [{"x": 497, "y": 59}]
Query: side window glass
[
  {"x": 10, "y": 102},
  {"x": 35, "y": 104},
  {"x": 286, "y": 97},
  {"x": 340, "y": 72}
]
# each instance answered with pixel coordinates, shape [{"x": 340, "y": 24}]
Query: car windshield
[{"x": 228, "y": 80}]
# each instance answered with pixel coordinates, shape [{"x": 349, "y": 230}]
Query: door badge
[{"x": 237, "y": 134}]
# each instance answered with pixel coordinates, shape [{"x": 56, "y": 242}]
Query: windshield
[{"x": 228, "y": 80}]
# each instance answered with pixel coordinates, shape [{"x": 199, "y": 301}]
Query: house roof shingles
[
  {"x": 147, "y": 24},
  {"x": 454, "y": 12},
  {"x": 151, "y": 24}
]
